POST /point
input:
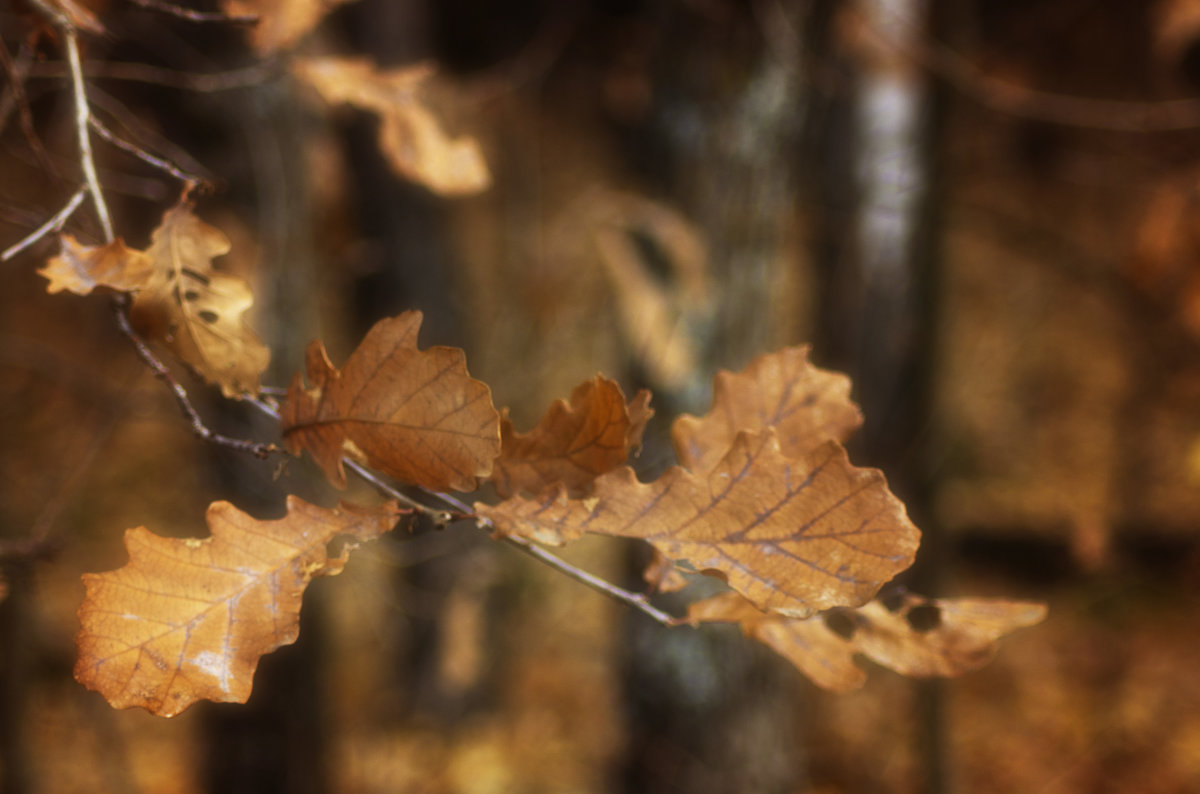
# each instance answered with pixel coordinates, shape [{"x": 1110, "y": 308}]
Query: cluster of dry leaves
[{"x": 765, "y": 497}]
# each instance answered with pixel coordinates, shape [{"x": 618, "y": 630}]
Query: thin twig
[
  {"x": 143, "y": 155},
  {"x": 16, "y": 76},
  {"x": 212, "y": 82},
  {"x": 83, "y": 114},
  {"x": 197, "y": 16},
  {"x": 55, "y": 224},
  {"x": 635, "y": 600},
  {"x": 258, "y": 449}
]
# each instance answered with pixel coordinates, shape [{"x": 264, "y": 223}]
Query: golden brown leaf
[
  {"x": 187, "y": 620},
  {"x": 912, "y": 635},
  {"x": 82, "y": 268},
  {"x": 415, "y": 415},
  {"x": 662, "y": 576},
  {"x": 281, "y": 23},
  {"x": 409, "y": 136},
  {"x": 793, "y": 536},
  {"x": 574, "y": 443},
  {"x": 197, "y": 311},
  {"x": 807, "y": 406}
]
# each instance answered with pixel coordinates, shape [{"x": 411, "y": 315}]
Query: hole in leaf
[
  {"x": 840, "y": 623},
  {"x": 923, "y": 618},
  {"x": 209, "y": 317},
  {"x": 191, "y": 295}
]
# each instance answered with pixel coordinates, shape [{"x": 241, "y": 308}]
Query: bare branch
[
  {"x": 259, "y": 450},
  {"x": 197, "y": 16},
  {"x": 213, "y": 82},
  {"x": 143, "y": 155},
  {"x": 55, "y": 224},
  {"x": 636, "y": 600}
]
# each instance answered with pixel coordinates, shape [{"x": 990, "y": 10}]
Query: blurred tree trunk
[{"x": 878, "y": 274}]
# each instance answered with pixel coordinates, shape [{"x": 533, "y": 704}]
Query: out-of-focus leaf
[
  {"x": 410, "y": 136},
  {"x": 793, "y": 536},
  {"x": 574, "y": 443},
  {"x": 187, "y": 620},
  {"x": 82, "y": 268},
  {"x": 912, "y": 635},
  {"x": 415, "y": 415},
  {"x": 180, "y": 300},
  {"x": 805, "y": 405},
  {"x": 281, "y": 23}
]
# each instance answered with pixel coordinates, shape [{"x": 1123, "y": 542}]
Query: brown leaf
[
  {"x": 187, "y": 620},
  {"x": 281, "y": 23},
  {"x": 913, "y": 635},
  {"x": 805, "y": 405},
  {"x": 409, "y": 135},
  {"x": 197, "y": 311},
  {"x": 415, "y": 415},
  {"x": 574, "y": 443},
  {"x": 793, "y": 536},
  {"x": 82, "y": 268},
  {"x": 662, "y": 576}
]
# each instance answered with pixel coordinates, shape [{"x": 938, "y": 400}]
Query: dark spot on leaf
[
  {"x": 840, "y": 623},
  {"x": 191, "y": 295},
  {"x": 208, "y": 316},
  {"x": 893, "y": 601},
  {"x": 925, "y": 617}
]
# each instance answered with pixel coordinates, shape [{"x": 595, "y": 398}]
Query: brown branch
[
  {"x": 54, "y": 224},
  {"x": 1017, "y": 100},
  {"x": 258, "y": 449},
  {"x": 16, "y": 77},
  {"x": 636, "y": 600},
  {"x": 197, "y": 16},
  {"x": 155, "y": 75}
]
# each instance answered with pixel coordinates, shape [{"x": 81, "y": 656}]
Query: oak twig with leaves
[{"x": 764, "y": 499}]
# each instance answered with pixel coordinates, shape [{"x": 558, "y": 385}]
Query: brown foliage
[
  {"x": 281, "y": 23},
  {"x": 913, "y": 635},
  {"x": 805, "y": 405},
  {"x": 410, "y": 136},
  {"x": 793, "y": 536},
  {"x": 189, "y": 619},
  {"x": 415, "y": 415},
  {"x": 574, "y": 443},
  {"x": 180, "y": 300}
]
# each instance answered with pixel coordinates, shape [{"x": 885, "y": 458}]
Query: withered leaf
[
  {"x": 415, "y": 415},
  {"x": 410, "y": 136},
  {"x": 805, "y": 405},
  {"x": 913, "y": 635},
  {"x": 574, "y": 443},
  {"x": 187, "y": 620},
  {"x": 82, "y": 268},
  {"x": 181, "y": 301},
  {"x": 662, "y": 576},
  {"x": 281, "y": 23},
  {"x": 196, "y": 311},
  {"x": 793, "y": 536}
]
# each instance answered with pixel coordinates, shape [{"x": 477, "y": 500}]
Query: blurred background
[{"x": 984, "y": 211}]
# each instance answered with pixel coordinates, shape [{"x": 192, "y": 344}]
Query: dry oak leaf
[
  {"x": 181, "y": 301},
  {"x": 410, "y": 136},
  {"x": 187, "y": 620},
  {"x": 793, "y": 536},
  {"x": 574, "y": 442},
  {"x": 196, "y": 311},
  {"x": 415, "y": 415},
  {"x": 281, "y": 23},
  {"x": 82, "y": 268},
  {"x": 805, "y": 405},
  {"x": 913, "y": 635}
]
